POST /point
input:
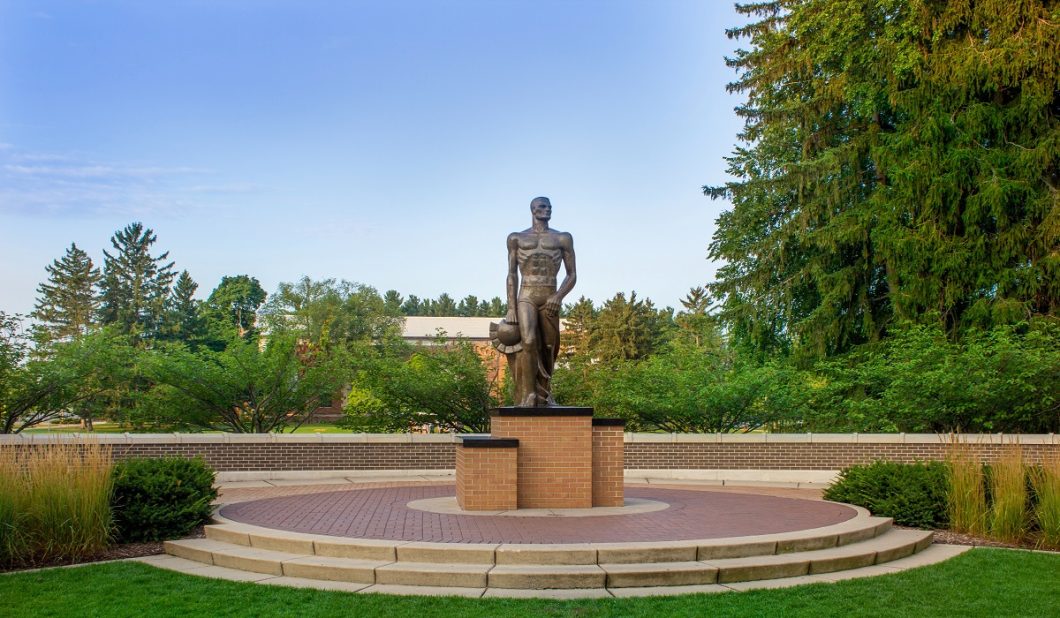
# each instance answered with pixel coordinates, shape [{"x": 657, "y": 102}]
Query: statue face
[{"x": 541, "y": 209}]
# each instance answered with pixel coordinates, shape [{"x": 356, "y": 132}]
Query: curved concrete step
[
  {"x": 892, "y": 545},
  {"x": 862, "y": 527}
]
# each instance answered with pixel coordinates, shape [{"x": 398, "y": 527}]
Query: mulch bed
[
  {"x": 114, "y": 552},
  {"x": 949, "y": 537}
]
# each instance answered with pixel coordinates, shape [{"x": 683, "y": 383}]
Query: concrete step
[
  {"x": 860, "y": 528},
  {"x": 891, "y": 545}
]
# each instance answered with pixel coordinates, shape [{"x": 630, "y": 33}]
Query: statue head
[{"x": 541, "y": 208}]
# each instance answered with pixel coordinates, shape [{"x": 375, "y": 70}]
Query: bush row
[
  {"x": 63, "y": 503},
  {"x": 1007, "y": 501}
]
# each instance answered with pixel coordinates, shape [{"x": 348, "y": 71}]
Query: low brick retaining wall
[{"x": 645, "y": 454}]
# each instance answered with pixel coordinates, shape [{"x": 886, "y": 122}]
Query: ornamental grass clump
[
  {"x": 1046, "y": 482},
  {"x": 967, "y": 497},
  {"x": 1007, "y": 517},
  {"x": 54, "y": 503}
]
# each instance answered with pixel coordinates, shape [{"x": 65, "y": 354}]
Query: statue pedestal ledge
[{"x": 559, "y": 457}]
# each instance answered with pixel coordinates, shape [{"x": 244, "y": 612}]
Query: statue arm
[
  {"x": 567, "y": 245},
  {"x": 513, "y": 279}
]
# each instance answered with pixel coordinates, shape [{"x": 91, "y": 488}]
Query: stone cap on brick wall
[
  {"x": 451, "y": 438},
  {"x": 845, "y": 438}
]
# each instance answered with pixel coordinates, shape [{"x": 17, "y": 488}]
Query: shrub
[
  {"x": 157, "y": 499},
  {"x": 912, "y": 494},
  {"x": 54, "y": 503}
]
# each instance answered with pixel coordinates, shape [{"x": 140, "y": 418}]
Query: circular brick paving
[{"x": 383, "y": 513}]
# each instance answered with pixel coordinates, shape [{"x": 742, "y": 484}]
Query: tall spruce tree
[
  {"x": 66, "y": 303},
  {"x": 135, "y": 288},
  {"x": 184, "y": 322},
  {"x": 898, "y": 161}
]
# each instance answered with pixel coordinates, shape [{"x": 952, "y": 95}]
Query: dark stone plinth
[
  {"x": 489, "y": 442},
  {"x": 541, "y": 411},
  {"x": 609, "y": 422}
]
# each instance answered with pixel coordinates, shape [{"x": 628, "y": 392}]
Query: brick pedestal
[
  {"x": 608, "y": 461},
  {"x": 486, "y": 474},
  {"x": 555, "y": 462}
]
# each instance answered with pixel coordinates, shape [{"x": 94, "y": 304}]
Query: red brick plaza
[{"x": 548, "y": 457}]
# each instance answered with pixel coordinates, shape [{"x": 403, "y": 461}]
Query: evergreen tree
[
  {"x": 696, "y": 301},
  {"x": 136, "y": 286},
  {"x": 393, "y": 302},
  {"x": 445, "y": 306},
  {"x": 498, "y": 308},
  {"x": 626, "y": 329},
  {"x": 468, "y": 306},
  {"x": 66, "y": 304},
  {"x": 184, "y": 323},
  {"x": 411, "y": 306},
  {"x": 579, "y": 320},
  {"x": 898, "y": 162}
]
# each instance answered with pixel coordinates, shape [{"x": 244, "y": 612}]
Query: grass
[
  {"x": 982, "y": 582},
  {"x": 1046, "y": 482},
  {"x": 1008, "y": 491},
  {"x": 54, "y": 502},
  {"x": 967, "y": 496}
]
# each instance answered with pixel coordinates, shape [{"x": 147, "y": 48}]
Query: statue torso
[{"x": 539, "y": 257}]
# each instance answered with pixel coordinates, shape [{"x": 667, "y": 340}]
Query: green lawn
[{"x": 983, "y": 582}]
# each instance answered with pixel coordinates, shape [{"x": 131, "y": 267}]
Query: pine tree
[
  {"x": 184, "y": 322},
  {"x": 468, "y": 306},
  {"x": 578, "y": 320},
  {"x": 497, "y": 308},
  {"x": 625, "y": 329},
  {"x": 135, "y": 288},
  {"x": 392, "y": 302},
  {"x": 411, "y": 306},
  {"x": 445, "y": 306},
  {"x": 66, "y": 303},
  {"x": 898, "y": 163}
]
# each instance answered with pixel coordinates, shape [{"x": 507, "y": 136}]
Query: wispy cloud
[
  {"x": 99, "y": 171},
  {"x": 41, "y": 184}
]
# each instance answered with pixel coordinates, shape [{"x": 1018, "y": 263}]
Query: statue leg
[
  {"x": 526, "y": 360},
  {"x": 549, "y": 350}
]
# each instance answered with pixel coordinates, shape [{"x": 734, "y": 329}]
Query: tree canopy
[
  {"x": 135, "y": 288},
  {"x": 67, "y": 303},
  {"x": 899, "y": 163}
]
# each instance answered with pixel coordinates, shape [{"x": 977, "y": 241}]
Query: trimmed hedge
[
  {"x": 913, "y": 494},
  {"x": 159, "y": 499}
]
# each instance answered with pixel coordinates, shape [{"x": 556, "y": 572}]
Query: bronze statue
[{"x": 534, "y": 302}]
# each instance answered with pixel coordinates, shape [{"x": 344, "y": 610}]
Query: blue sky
[{"x": 392, "y": 143}]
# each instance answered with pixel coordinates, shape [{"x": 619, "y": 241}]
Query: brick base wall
[
  {"x": 807, "y": 456},
  {"x": 608, "y": 459},
  {"x": 486, "y": 477},
  {"x": 299, "y": 452},
  {"x": 555, "y": 459}
]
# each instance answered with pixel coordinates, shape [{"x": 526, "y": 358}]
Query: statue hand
[
  {"x": 552, "y": 306},
  {"x": 512, "y": 318}
]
